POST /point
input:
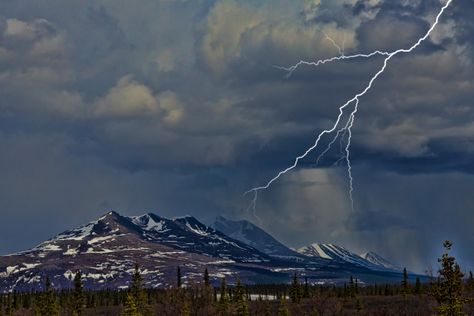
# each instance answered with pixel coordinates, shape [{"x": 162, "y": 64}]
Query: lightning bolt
[
  {"x": 339, "y": 49},
  {"x": 347, "y": 128}
]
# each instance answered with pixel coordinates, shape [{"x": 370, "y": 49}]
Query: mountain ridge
[
  {"x": 251, "y": 234},
  {"x": 107, "y": 249}
]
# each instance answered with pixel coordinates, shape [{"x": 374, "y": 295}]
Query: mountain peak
[
  {"x": 315, "y": 250},
  {"x": 377, "y": 259},
  {"x": 369, "y": 260},
  {"x": 252, "y": 235},
  {"x": 110, "y": 214}
]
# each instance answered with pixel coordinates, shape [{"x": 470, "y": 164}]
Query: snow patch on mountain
[
  {"x": 379, "y": 260},
  {"x": 314, "y": 250},
  {"x": 250, "y": 234},
  {"x": 148, "y": 223},
  {"x": 337, "y": 253}
]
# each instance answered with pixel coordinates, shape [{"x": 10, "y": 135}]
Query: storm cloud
[{"x": 176, "y": 107}]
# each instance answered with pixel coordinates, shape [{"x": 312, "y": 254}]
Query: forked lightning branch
[{"x": 347, "y": 112}]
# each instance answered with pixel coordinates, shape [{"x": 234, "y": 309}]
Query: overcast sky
[{"x": 176, "y": 107}]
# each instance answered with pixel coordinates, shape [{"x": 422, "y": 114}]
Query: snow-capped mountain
[
  {"x": 340, "y": 254},
  {"x": 379, "y": 260},
  {"x": 187, "y": 233},
  {"x": 181, "y": 233},
  {"x": 107, "y": 249},
  {"x": 254, "y": 236}
]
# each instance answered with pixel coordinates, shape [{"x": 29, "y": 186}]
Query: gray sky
[{"x": 175, "y": 107}]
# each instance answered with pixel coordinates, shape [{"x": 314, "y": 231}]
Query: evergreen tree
[
  {"x": 138, "y": 293},
  {"x": 206, "y": 277},
  {"x": 240, "y": 300},
  {"x": 78, "y": 301},
  {"x": 359, "y": 306},
  {"x": 448, "y": 291},
  {"x": 9, "y": 305},
  {"x": 15, "y": 301},
  {"x": 185, "y": 310},
  {"x": 470, "y": 281},
  {"x": 224, "y": 298},
  {"x": 306, "y": 288},
  {"x": 282, "y": 308},
  {"x": 47, "y": 303},
  {"x": 238, "y": 292},
  {"x": 267, "y": 309},
  {"x": 351, "y": 287},
  {"x": 295, "y": 291},
  {"x": 178, "y": 277},
  {"x": 405, "y": 282},
  {"x": 418, "y": 286},
  {"x": 242, "y": 308},
  {"x": 136, "y": 286},
  {"x": 130, "y": 307}
]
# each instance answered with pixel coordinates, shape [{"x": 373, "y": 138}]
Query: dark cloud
[{"x": 178, "y": 107}]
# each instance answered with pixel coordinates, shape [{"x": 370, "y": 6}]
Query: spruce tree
[
  {"x": 136, "y": 286},
  {"x": 417, "y": 286},
  {"x": 78, "y": 301},
  {"x": 15, "y": 301},
  {"x": 470, "y": 281},
  {"x": 240, "y": 300},
  {"x": 295, "y": 291},
  {"x": 206, "y": 278},
  {"x": 405, "y": 282},
  {"x": 448, "y": 290},
  {"x": 282, "y": 308},
  {"x": 185, "y": 310},
  {"x": 47, "y": 303},
  {"x": 306, "y": 288},
  {"x": 224, "y": 298},
  {"x": 242, "y": 308},
  {"x": 138, "y": 293},
  {"x": 238, "y": 292},
  {"x": 178, "y": 277},
  {"x": 9, "y": 305},
  {"x": 359, "y": 305},
  {"x": 351, "y": 287},
  {"x": 130, "y": 307},
  {"x": 267, "y": 309}
]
